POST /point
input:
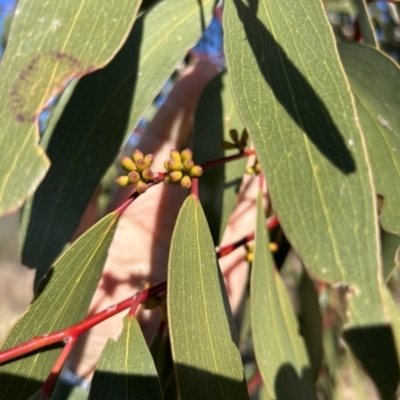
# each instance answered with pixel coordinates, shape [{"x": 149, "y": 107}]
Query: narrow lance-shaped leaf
[
  {"x": 63, "y": 299},
  {"x": 49, "y": 43},
  {"x": 375, "y": 82},
  {"x": 293, "y": 97},
  {"x": 365, "y": 24},
  {"x": 215, "y": 116},
  {"x": 280, "y": 351},
  {"x": 203, "y": 339},
  {"x": 103, "y": 110},
  {"x": 126, "y": 369}
]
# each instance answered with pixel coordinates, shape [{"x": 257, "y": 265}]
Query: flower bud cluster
[
  {"x": 236, "y": 143},
  {"x": 181, "y": 168},
  {"x": 138, "y": 171}
]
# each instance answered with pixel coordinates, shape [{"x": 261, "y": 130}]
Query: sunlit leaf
[
  {"x": 203, "y": 339},
  {"x": 375, "y": 82},
  {"x": 292, "y": 95},
  {"x": 49, "y": 43},
  {"x": 126, "y": 369},
  {"x": 101, "y": 113},
  {"x": 63, "y": 299}
]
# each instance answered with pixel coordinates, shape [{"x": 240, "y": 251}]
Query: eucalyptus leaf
[
  {"x": 203, "y": 339},
  {"x": 291, "y": 92},
  {"x": 126, "y": 369},
  {"x": 62, "y": 300},
  {"x": 49, "y": 43},
  {"x": 280, "y": 351}
]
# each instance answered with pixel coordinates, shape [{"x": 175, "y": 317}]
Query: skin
[{"x": 139, "y": 251}]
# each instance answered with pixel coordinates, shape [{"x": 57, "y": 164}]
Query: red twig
[
  {"x": 55, "y": 371},
  {"x": 272, "y": 223},
  {"x": 223, "y": 160},
  {"x": 254, "y": 382},
  {"x": 76, "y": 330},
  {"x": 195, "y": 188}
]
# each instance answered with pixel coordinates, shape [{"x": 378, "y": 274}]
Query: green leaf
[
  {"x": 218, "y": 187},
  {"x": 62, "y": 300},
  {"x": 203, "y": 339},
  {"x": 375, "y": 82},
  {"x": 280, "y": 351},
  {"x": 126, "y": 369},
  {"x": 49, "y": 43},
  {"x": 366, "y": 27},
  {"x": 292, "y": 95},
  {"x": 390, "y": 247},
  {"x": 103, "y": 110}
]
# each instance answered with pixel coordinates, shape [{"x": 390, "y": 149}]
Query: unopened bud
[
  {"x": 133, "y": 177},
  {"x": 175, "y": 155},
  {"x": 196, "y": 171},
  {"x": 273, "y": 247},
  {"x": 188, "y": 165},
  {"x": 186, "y": 154},
  {"x": 123, "y": 180},
  {"x": 149, "y": 160},
  {"x": 186, "y": 182},
  {"x": 257, "y": 167},
  {"x": 141, "y": 187},
  {"x": 249, "y": 170},
  {"x": 128, "y": 164},
  {"x": 173, "y": 165},
  {"x": 147, "y": 174},
  {"x": 175, "y": 176},
  {"x": 140, "y": 165},
  {"x": 137, "y": 155}
]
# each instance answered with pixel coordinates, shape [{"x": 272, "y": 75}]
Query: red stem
[
  {"x": 272, "y": 223},
  {"x": 223, "y": 160},
  {"x": 76, "y": 330},
  {"x": 55, "y": 371},
  {"x": 195, "y": 188}
]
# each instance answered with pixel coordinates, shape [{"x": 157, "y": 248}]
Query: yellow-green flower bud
[
  {"x": 128, "y": 164},
  {"x": 123, "y": 180},
  {"x": 196, "y": 171},
  {"x": 149, "y": 159},
  {"x": 173, "y": 165},
  {"x": 188, "y": 165},
  {"x": 186, "y": 154},
  {"x": 233, "y": 133},
  {"x": 186, "y": 182},
  {"x": 228, "y": 145},
  {"x": 249, "y": 170},
  {"x": 140, "y": 165},
  {"x": 141, "y": 187},
  {"x": 175, "y": 155},
  {"x": 133, "y": 177},
  {"x": 166, "y": 165},
  {"x": 147, "y": 174},
  {"x": 137, "y": 155},
  {"x": 257, "y": 167},
  {"x": 175, "y": 176}
]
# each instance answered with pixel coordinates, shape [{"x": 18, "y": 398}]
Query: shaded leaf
[
  {"x": 375, "y": 82},
  {"x": 49, "y": 43},
  {"x": 103, "y": 110},
  {"x": 218, "y": 187},
  {"x": 365, "y": 23},
  {"x": 203, "y": 339},
  {"x": 292, "y": 95},
  {"x": 126, "y": 369},
  {"x": 63, "y": 299},
  {"x": 280, "y": 351},
  {"x": 390, "y": 247}
]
